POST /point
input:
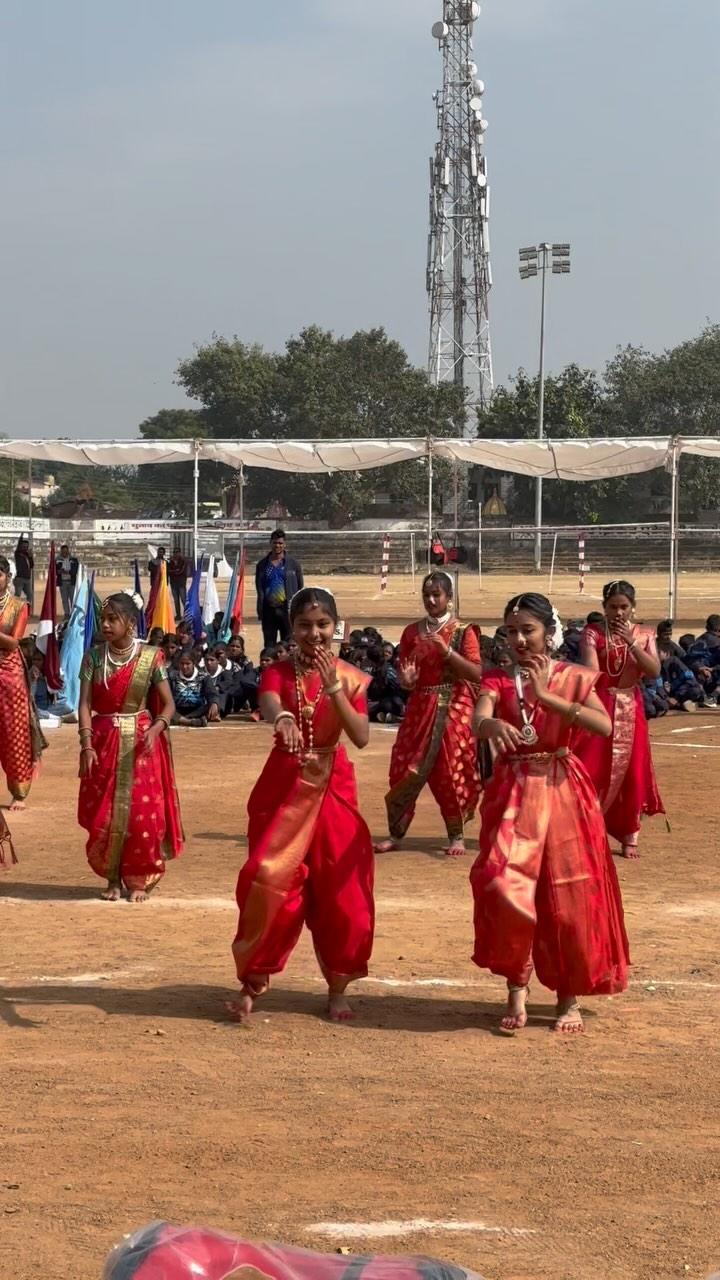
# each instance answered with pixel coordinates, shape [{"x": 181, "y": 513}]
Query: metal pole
[
  {"x": 196, "y": 478},
  {"x": 31, "y": 601},
  {"x": 242, "y": 496},
  {"x": 480, "y": 542},
  {"x": 430, "y": 501},
  {"x": 672, "y": 578},
  {"x": 544, "y": 250},
  {"x": 12, "y": 486},
  {"x": 552, "y": 565},
  {"x": 412, "y": 559}
]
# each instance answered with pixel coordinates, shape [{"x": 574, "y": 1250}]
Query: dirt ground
[{"x": 128, "y": 1096}]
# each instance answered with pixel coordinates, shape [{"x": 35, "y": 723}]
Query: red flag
[
  {"x": 236, "y": 613},
  {"x": 46, "y": 638}
]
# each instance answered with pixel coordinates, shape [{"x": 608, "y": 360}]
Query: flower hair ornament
[{"x": 557, "y": 635}]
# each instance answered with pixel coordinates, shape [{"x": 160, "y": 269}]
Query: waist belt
[
  {"x": 118, "y": 717},
  {"x": 435, "y": 688},
  {"x": 539, "y": 755}
]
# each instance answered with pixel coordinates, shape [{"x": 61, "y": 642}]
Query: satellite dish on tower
[
  {"x": 476, "y": 103},
  {"x": 469, "y": 12},
  {"x": 440, "y": 30}
]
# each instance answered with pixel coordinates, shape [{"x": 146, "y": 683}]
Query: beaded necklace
[
  {"x": 621, "y": 650},
  {"x": 4, "y": 599},
  {"x": 306, "y": 709},
  {"x": 122, "y": 658}
]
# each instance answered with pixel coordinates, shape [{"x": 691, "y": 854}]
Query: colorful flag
[
  {"x": 193, "y": 612},
  {"x": 141, "y": 629},
  {"x": 211, "y": 604},
  {"x": 73, "y": 648},
  {"x": 91, "y": 619},
  {"x": 163, "y": 614},
  {"x": 46, "y": 638},
  {"x": 233, "y": 617}
]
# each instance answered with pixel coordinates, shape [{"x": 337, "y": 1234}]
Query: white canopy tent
[{"x": 574, "y": 459}]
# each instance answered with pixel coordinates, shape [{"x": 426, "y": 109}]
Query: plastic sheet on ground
[{"x": 163, "y": 1252}]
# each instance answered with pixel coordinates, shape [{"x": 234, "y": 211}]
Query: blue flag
[
  {"x": 73, "y": 648},
  {"x": 193, "y": 610},
  {"x": 226, "y": 629},
  {"x": 142, "y": 626},
  {"x": 90, "y": 621}
]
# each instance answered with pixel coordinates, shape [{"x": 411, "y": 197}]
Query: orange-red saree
[
  {"x": 310, "y": 855},
  {"x": 544, "y": 884}
]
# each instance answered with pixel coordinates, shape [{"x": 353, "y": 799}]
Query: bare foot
[
  {"x": 456, "y": 849},
  {"x": 386, "y": 846},
  {"x": 241, "y": 1009},
  {"x": 630, "y": 851},
  {"x": 568, "y": 1017},
  {"x": 516, "y": 1016},
  {"x": 112, "y": 893},
  {"x": 137, "y": 895},
  {"x": 339, "y": 1007},
  {"x": 16, "y": 806}
]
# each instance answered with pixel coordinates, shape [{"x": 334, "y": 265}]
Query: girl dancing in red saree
[
  {"x": 21, "y": 741},
  {"x": 439, "y": 663},
  {"x": 128, "y": 801},
  {"x": 544, "y": 883},
  {"x": 310, "y": 854},
  {"x": 621, "y": 766}
]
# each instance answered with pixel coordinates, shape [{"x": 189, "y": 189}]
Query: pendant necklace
[
  {"x": 613, "y": 649},
  {"x": 306, "y": 710},
  {"x": 123, "y": 658},
  {"x": 528, "y": 733}
]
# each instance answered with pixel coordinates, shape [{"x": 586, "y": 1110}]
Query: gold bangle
[
  {"x": 333, "y": 688},
  {"x": 283, "y": 715},
  {"x": 163, "y": 720},
  {"x": 573, "y": 712}
]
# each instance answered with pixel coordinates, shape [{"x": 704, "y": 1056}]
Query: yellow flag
[{"x": 163, "y": 614}]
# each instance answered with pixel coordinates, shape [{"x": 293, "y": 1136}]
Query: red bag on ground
[{"x": 164, "y": 1252}]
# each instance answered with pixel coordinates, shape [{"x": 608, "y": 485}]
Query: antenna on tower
[{"x": 458, "y": 267}]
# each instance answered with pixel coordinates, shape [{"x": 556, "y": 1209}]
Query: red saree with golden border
[
  {"x": 434, "y": 743},
  {"x": 621, "y": 766},
  {"x": 21, "y": 742},
  {"x": 128, "y": 804}
]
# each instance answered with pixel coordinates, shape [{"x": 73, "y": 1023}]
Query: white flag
[{"x": 212, "y": 603}]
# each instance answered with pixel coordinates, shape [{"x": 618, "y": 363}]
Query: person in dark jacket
[
  {"x": 24, "y": 563},
  {"x": 66, "y": 571},
  {"x": 277, "y": 579}
]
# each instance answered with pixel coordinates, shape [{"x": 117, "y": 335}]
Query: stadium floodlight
[{"x": 533, "y": 261}]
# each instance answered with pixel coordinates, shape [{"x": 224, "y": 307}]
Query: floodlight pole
[
  {"x": 544, "y": 251},
  {"x": 196, "y": 479},
  {"x": 532, "y": 260}
]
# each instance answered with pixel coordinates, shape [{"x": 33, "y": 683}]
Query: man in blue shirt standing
[{"x": 277, "y": 578}]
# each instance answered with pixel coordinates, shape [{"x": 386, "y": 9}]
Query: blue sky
[{"x": 173, "y": 169}]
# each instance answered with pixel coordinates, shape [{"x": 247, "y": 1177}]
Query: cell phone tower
[{"x": 458, "y": 268}]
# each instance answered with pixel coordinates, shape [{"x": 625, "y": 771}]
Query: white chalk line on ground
[
  {"x": 210, "y": 903},
  {"x": 409, "y": 1227},
  {"x": 694, "y": 728},
  {"x": 692, "y": 746},
  {"x": 453, "y": 984}
]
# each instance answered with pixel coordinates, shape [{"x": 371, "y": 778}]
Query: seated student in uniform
[
  {"x": 156, "y": 637},
  {"x": 223, "y": 683},
  {"x": 193, "y": 693},
  {"x": 214, "y": 629},
  {"x": 170, "y": 647},
  {"x": 386, "y": 703}
]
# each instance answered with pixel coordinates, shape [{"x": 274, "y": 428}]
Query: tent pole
[
  {"x": 31, "y": 601},
  {"x": 674, "y": 490},
  {"x": 196, "y": 478},
  {"x": 480, "y": 543},
  {"x": 430, "y": 500}
]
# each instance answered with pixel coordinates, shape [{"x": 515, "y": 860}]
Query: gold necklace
[
  {"x": 4, "y": 598},
  {"x": 306, "y": 709}
]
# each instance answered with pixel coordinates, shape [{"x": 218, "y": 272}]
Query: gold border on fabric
[
  {"x": 127, "y": 729},
  {"x": 402, "y": 796},
  {"x": 622, "y": 742}
]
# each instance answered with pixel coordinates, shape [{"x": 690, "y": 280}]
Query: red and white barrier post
[{"x": 385, "y": 570}]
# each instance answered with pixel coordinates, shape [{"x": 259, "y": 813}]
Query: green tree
[
  {"x": 674, "y": 393},
  {"x": 322, "y": 387}
]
